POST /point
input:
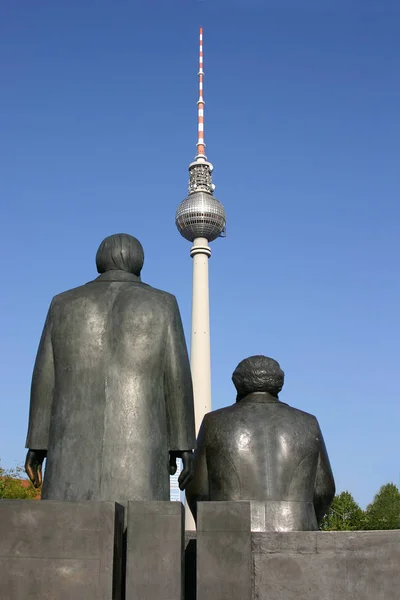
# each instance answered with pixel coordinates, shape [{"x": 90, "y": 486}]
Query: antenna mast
[{"x": 200, "y": 106}]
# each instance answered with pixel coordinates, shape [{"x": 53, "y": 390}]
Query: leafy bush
[{"x": 13, "y": 485}]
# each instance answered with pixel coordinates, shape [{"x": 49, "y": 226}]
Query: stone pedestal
[
  {"x": 73, "y": 551},
  {"x": 337, "y": 565},
  {"x": 223, "y": 551},
  {"x": 235, "y": 563},
  {"x": 154, "y": 564},
  {"x": 60, "y": 550}
]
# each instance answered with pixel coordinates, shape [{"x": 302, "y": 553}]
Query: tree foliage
[
  {"x": 13, "y": 487},
  {"x": 384, "y": 511},
  {"x": 344, "y": 514}
]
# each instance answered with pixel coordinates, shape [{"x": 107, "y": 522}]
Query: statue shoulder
[
  {"x": 69, "y": 294},
  {"x": 219, "y": 412},
  {"x": 167, "y": 300},
  {"x": 219, "y": 416},
  {"x": 304, "y": 416},
  {"x": 161, "y": 293},
  {"x": 66, "y": 296}
]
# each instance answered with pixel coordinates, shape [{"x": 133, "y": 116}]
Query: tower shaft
[
  {"x": 200, "y": 349},
  {"x": 200, "y": 352}
]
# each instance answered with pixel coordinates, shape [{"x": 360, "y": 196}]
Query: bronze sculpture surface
[
  {"x": 111, "y": 400},
  {"x": 265, "y": 451}
]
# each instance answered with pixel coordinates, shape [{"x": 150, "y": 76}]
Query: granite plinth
[
  {"x": 60, "y": 550},
  {"x": 154, "y": 563},
  {"x": 223, "y": 551},
  {"x": 334, "y": 565},
  {"x": 235, "y": 563}
]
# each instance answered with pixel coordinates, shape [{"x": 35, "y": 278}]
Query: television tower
[{"x": 200, "y": 218}]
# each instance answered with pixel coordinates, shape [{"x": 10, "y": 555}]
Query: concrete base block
[
  {"x": 154, "y": 560},
  {"x": 234, "y": 563},
  {"x": 60, "y": 550},
  {"x": 223, "y": 551},
  {"x": 340, "y": 565}
]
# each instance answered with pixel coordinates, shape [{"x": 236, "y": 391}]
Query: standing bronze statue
[
  {"x": 112, "y": 400},
  {"x": 263, "y": 450}
]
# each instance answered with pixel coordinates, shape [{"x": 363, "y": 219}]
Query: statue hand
[
  {"x": 188, "y": 469},
  {"x": 33, "y": 466},
  {"x": 172, "y": 462}
]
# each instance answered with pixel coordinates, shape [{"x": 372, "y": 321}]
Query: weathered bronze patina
[
  {"x": 112, "y": 400},
  {"x": 265, "y": 451}
]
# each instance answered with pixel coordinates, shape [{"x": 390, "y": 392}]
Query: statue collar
[
  {"x": 117, "y": 275},
  {"x": 261, "y": 398}
]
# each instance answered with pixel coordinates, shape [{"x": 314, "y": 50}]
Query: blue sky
[{"x": 98, "y": 126}]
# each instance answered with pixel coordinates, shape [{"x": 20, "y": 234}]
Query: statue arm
[
  {"x": 178, "y": 387},
  {"x": 324, "y": 490},
  {"x": 41, "y": 392},
  {"x": 198, "y": 488}
]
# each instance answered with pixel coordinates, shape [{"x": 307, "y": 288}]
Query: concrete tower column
[
  {"x": 200, "y": 353},
  {"x": 200, "y": 357}
]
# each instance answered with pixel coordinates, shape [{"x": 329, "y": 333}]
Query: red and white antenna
[{"x": 200, "y": 106}]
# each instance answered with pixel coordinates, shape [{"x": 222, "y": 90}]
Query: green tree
[
  {"x": 14, "y": 487},
  {"x": 384, "y": 511},
  {"x": 344, "y": 514}
]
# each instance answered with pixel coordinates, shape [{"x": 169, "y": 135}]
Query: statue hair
[
  {"x": 258, "y": 374},
  {"x": 120, "y": 251}
]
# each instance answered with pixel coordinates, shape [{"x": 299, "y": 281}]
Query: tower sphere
[{"x": 200, "y": 215}]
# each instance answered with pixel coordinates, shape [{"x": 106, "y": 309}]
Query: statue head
[
  {"x": 258, "y": 374},
  {"x": 120, "y": 251}
]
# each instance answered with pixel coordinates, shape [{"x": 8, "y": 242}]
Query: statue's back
[
  {"x": 114, "y": 345},
  {"x": 111, "y": 393},
  {"x": 267, "y": 452}
]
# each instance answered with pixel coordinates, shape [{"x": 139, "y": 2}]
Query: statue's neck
[
  {"x": 260, "y": 397},
  {"x": 117, "y": 275}
]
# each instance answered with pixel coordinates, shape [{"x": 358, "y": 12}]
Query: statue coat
[
  {"x": 265, "y": 451},
  {"x": 111, "y": 392}
]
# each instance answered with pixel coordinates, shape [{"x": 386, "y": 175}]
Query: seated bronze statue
[{"x": 265, "y": 451}]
